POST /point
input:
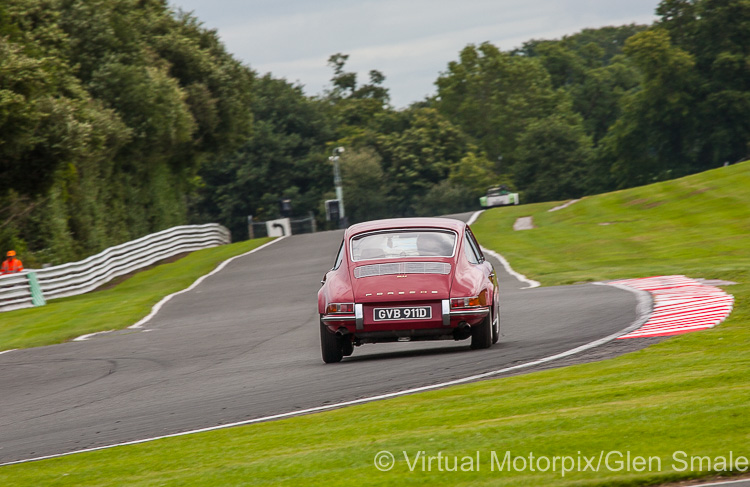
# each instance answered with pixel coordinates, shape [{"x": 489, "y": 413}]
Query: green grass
[
  {"x": 112, "y": 309},
  {"x": 689, "y": 393},
  {"x": 698, "y": 225}
]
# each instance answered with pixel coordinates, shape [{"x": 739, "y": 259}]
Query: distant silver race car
[{"x": 499, "y": 196}]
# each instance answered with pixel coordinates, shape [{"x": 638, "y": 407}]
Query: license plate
[{"x": 406, "y": 313}]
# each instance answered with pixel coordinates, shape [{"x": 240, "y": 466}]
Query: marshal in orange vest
[{"x": 11, "y": 265}]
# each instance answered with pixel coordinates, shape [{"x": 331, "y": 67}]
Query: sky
[{"x": 410, "y": 41}]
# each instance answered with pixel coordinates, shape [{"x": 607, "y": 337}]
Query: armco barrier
[{"x": 84, "y": 276}]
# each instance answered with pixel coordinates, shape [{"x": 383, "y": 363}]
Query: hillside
[
  {"x": 697, "y": 225},
  {"x": 682, "y": 398}
]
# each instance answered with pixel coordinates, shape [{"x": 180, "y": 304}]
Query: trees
[
  {"x": 107, "y": 108},
  {"x": 717, "y": 36},
  {"x": 418, "y": 155},
  {"x": 366, "y": 186},
  {"x": 122, "y": 117},
  {"x": 655, "y": 138},
  {"x": 395, "y": 158},
  {"x": 285, "y": 156},
  {"x": 553, "y": 159},
  {"x": 508, "y": 104},
  {"x": 689, "y": 112},
  {"x": 493, "y": 96}
]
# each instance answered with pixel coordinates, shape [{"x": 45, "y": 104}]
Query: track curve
[{"x": 239, "y": 346}]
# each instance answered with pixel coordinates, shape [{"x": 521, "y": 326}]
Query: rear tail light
[
  {"x": 340, "y": 308},
  {"x": 470, "y": 302}
]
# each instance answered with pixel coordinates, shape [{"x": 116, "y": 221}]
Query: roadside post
[
  {"x": 337, "y": 183},
  {"x": 37, "y": 297}
]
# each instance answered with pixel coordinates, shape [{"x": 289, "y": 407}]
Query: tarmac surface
[{"x": 244, "y": 344}]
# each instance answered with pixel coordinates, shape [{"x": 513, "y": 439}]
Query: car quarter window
[
  {"x": 339, "y": 257},
  {"x": 476, "y": 245},
  {"x": 471, "y": 248}
]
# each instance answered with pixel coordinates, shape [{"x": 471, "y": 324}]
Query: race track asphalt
[{"x": 244, "y": 344}]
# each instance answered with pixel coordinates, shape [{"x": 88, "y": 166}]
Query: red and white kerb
[{"x": 681, "y": 305}]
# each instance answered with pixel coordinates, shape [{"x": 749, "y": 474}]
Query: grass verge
[
  {"x": 698, "y": 225},
  {"x": 682, "y": 400},
  {"x": 112, "y": 309}
]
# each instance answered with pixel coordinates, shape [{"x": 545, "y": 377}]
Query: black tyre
[
  {"x": 495, "y": 330},
  {"x": 330, "y": 345},
  {"x": 495, "y": 322},
  {"x": 481, "y": 334},
  {"x": 347, "y": 346}
]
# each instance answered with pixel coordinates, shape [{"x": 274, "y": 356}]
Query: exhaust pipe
[{"x": 462, "y": 331}]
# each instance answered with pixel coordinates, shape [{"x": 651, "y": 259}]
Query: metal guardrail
[{"x": 81, "y": 277}]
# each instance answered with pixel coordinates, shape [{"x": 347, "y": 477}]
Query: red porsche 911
[{"x": 407, "y": 279}]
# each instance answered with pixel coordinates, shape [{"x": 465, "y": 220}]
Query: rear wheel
[
  {"x": 330, "y": 345},
  {"x": 347, "y": 346},
  {"x": 495, "y": 322},
  {"x": 495, "y": 330},
  {"x": 481, "y": 334}
]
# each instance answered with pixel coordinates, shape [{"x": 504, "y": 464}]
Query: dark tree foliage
[
  {"x": 596, "y": 47},
  {"x": 122, "y": 117},
  {"x": 716, "y": 33},
  {"x": 107, "y": 109},
  {"x": 590, "y": 66},
  {"x": 557, "y": 167},
  {"x": 419, "y": 147},
  {"x": 503, "y": 101},
  {"x": 285, "y": 157},
  {"x": 655, "y": 138},
  {"x": 493, "y": 96}
]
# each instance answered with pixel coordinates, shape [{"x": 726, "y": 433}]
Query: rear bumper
[
  {"x": 470, "y": 313},
  {"x": 442, "y": 325},
  {"x": 414, "y": 335}
]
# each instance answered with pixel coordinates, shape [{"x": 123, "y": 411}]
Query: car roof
[{"x": 442, "y": 223}]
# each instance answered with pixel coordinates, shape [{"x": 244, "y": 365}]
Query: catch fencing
[{"x": 33, "y": 287}]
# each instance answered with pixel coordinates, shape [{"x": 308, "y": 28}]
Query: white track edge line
[
  {"x": 157, "y": 307},
  {"x": 643, "y": 309},
  {"x": 531, "y": 283},
  {"x": 474, "y": 217},
  {"x": 85, "y": 337},
  {"x": 642, "y": 314}
]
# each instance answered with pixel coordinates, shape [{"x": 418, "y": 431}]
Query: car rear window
[{"x": 394, "y": 244}]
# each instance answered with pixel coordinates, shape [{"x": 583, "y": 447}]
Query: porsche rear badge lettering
[
  {"x": 403, "y": 292},
  {"x": 402, "y": 275}
]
